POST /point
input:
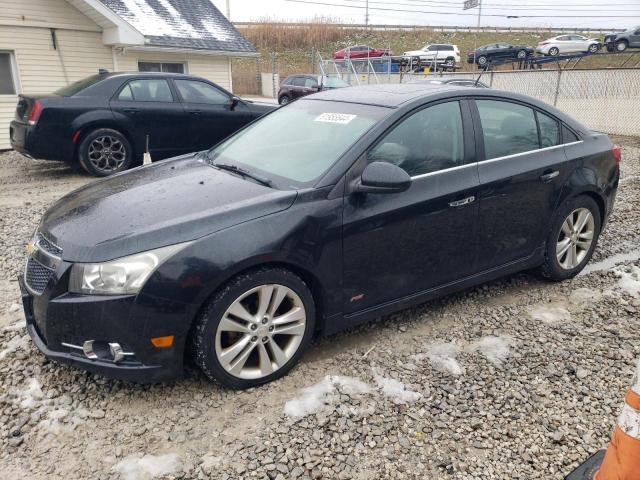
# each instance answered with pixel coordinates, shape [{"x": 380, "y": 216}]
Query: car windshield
[
  {"x": 335, "y": 82},
  {"x": 296, "y": 144},
  {"x": 76, "y": 87}
]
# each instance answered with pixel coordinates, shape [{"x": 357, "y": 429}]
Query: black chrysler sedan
[
  {"x": 498, "y": 51},
  {"x": 331, "y": 211},
  {"x": 106, "y": 122}
]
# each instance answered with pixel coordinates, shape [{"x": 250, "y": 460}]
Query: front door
[
  {"x": 152, "y": 113},
  {"x": 399, "y": 244},
  {"x": 634, "y": 39},
  {"x": 521, "y": 175},
  {"x": 209, "y": 113}
]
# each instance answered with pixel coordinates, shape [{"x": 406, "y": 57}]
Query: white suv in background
[
  {"x": 442, "y": 53},
  {"x": 568, "y": 44}
]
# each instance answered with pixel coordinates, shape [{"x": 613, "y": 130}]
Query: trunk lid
[{"x": 25, "y": 105}]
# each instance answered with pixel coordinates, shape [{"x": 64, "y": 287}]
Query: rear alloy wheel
[
  {"x": 104, "y": 152},
  {"x": 255, "y": 329},
  {"x": 593, "y": 48},
  {"x": 283, "y": 100},
  {"x": 621, "y": 46},
  {"x": 553, "y": 51},
  {"x": 482, "y": 60},
  {"x": 522, "y": 54},
  {"x": 573, "y": 238}
]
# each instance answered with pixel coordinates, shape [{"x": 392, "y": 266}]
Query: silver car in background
[{"x": 568, "y": 44}]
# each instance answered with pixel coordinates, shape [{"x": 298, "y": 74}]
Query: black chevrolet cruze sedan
[
  {"x": 338, "y": 208},
  {"x": 106, "y": 122}
]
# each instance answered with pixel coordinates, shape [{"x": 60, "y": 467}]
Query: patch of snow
[
  {"x": 136, "y": 467},
  {"x": 583, "y": 297},
  {"x": 635, "y": 384},
  {"x": 19, "y": 325},
  {"x": 550, "y": 313},
  {"x": 495, "y": 349},
  {"x": 396, "y": 390},
  {"x": 315, "y": 397},
  {"x": 215, "y": 30},
  {"x": 630, "y": 281},
  {"x": 147, "y": 21},
  {"x": 17, "y": 342},
  {"x": 610, "y": 262},
  {"x": 442, "y": 356},
  {"x": 32, "y": 395}
]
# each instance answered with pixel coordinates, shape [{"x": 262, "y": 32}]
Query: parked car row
[{"x": 326, "y": 213}]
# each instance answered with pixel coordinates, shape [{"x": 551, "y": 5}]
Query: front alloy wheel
[
  {"x": 255, "y": 328},
  {"x": 261, "y": 331},
  {"x": 575, "y": 239}
]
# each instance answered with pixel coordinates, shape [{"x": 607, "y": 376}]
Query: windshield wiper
[{"x": 245, "y": 173}]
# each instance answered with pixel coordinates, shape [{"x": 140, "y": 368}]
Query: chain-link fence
[{"x": 607, "y": 100}]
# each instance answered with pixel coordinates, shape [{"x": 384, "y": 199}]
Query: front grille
[
  {"x": 37, "y": 276},
  {"x": 48, "y": 246}
]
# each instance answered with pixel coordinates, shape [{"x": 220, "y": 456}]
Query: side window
[
  {"x": 310, "y": 82},
  {"x": 429, "y": 140},
  {"x": 508, "y": 128},
  {"x": 549, "y": 131},
  {"x": 126, "y": 94},
  {"x": 148, "y": 91},
  {"x": 448, "y": 48},
  {"x": 193, "y": 91},
  {"x": 568, "y": 136},
  {"x": 298, "y": 82}
]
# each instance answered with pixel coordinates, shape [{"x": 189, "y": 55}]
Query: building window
[
  {"x": 161, "y": 67},
  {"x": 7, "y": 74}
]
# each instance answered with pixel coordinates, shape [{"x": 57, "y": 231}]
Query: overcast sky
[{"x": 538, "y": 13}]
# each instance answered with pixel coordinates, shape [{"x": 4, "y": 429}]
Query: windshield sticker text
[{"x": 342, "y": 118}]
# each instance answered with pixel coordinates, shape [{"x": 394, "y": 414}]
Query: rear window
[{"x": 80, "y": 85}]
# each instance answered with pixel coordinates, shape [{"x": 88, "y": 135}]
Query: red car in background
[{"x": 361, "y": 51}]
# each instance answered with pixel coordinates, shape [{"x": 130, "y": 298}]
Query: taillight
[
  {"x": 35, "y": 113},
  {"x": 617, "y": 154},
  {"x": 543, "y": 43}
]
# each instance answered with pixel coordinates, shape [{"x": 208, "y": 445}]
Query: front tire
[
  {"x": 104, "y": 152},
  {"x": 553, "y": 51},
  {"x": 255, "y": 328},
  {"x": 621, "y": 46},
  {"x": 573, "y": 238},
  {"x": 283, "y": 100},
  {"x": 593, "y": 48}
]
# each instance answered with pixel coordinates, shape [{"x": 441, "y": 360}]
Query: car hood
[{"x": 150, "y": 207}]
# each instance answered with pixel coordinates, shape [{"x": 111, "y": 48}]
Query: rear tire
[
  {"x": 564, "y": 238},
  {"x": 249, "y": 333},
  {"x": 621, "y": 46},
  {"x": 104, "y": 152},
  {"x": 482, "y": 60},
  {"x": 522, "y": 54}
]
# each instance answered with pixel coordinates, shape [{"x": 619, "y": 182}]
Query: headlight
[{"x": 122, "y": 276}]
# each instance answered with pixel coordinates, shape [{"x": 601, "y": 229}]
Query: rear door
[
  {"x": 297, "y": 87},
  {"x": 399, "y": 244},
  {"x": 634, "y": 38},
  {"x": 151, "y": 110},
  {"x": 521, "y": 169},
  {"x": 209, "y": 113}
]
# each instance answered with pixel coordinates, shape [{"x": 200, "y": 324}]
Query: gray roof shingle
[{"x": 191, "y": 24}]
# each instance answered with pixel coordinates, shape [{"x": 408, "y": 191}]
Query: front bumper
[{"x": 54, "y": 323}]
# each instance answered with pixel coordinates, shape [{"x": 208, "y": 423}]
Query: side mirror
[
  {"x": 233, "y": 102},
  {"x": 383, "y": 177}
]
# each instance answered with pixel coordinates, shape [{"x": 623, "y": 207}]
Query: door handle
[
  {"x": 195, "y": 112},
  {"x": 548, "y": 176},
  {"x": 131, "y": 110},
  {"x": 463, "y": 202}
]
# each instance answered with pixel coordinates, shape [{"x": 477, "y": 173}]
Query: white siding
[{"x": 211, "y": 67}]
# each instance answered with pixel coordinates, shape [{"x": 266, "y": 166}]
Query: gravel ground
[{"x": 517, "y": 378}]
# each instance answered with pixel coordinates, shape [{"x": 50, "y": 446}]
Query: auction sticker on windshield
[{"x": 343, "y": 118}]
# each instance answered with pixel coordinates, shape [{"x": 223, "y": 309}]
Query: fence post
[
  {"x": 491, "y": 79},
  {"x": 555, "y": 98},
  {"x": 274, "y": 71},
  {"x": 258, "y": 76},
  {"x": 313, "y": 58}
]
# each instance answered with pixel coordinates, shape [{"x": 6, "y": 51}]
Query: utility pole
[
  {"x": 366, "y": 13},
  {"x": 468, "y": 4},
  {"x": 229, "y": 10}
]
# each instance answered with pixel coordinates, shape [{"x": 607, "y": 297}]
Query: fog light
[{"x": 116, "y": 352}]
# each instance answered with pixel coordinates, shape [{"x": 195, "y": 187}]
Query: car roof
[
  {"x": 150, "y": 74},
  {"x": 389, "y": 95}
]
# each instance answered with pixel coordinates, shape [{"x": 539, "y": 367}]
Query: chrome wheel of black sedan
[{"x": 331, "y": 211}]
